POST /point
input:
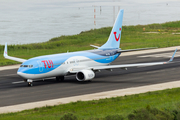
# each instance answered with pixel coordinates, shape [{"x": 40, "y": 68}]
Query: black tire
[
  {"x": 60, "y": 78},
  {"x": 89, "y": 80},
  {"x": 30, "y": 84}
]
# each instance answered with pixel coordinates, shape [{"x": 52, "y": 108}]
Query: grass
[
  {"x": 98, "y": 109},
  {"x": 132, "y": 37}
]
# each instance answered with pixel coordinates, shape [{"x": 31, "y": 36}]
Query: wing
[
  {"x": 128, "y": 65},
  {"x": 12, "y": 58},
  {"x": 77, "y": 69},
  {"x": 134, "y": 65}
]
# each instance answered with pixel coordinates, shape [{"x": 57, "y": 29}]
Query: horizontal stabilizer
[{"x": 94, "y": 46}]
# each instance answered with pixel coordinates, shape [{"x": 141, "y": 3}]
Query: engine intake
[{"x": 85, "y": 75}]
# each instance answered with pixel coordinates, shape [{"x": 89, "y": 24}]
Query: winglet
[
  {"x": 11, "y": 58},
  {"x": 5, "y": 50},
  {"x": 173, "y": 56}
]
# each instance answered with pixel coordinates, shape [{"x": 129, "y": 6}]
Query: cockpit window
[{"x": 29, "y": 66}]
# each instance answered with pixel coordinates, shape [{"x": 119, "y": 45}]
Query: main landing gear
[{"x": 60, "y": 78}]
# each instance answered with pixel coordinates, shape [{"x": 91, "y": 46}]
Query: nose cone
[{"x": 21, "y": 73}]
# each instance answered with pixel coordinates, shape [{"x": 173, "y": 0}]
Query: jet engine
[{"x": 85, "y": 75}]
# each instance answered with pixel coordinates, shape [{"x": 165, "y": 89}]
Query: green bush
[
  {"x": 178, "y": 116},
  {"x": 161, "y": 115},
  {"x": 150, "y": 114},
  {"x": 141, "y": 114},
  {"x": 114, "y": 117},
  {"x": 131, "y": 116},
  {"x": 68, "y": 116}
]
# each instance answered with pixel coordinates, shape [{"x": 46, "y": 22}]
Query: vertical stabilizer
[{"x": 115, "y": 36}]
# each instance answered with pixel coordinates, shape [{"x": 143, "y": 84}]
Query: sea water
[{"x": 31, "y": 21}]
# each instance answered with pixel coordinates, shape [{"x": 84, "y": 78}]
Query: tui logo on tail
[
  {"x": 117, "y": 39},
  {"x": 115, "y": 35}
]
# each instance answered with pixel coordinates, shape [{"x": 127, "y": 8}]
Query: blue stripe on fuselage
[{"x": 101, "y": 56}]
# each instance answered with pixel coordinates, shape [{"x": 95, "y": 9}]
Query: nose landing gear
[{"x": 30, "y": 82}]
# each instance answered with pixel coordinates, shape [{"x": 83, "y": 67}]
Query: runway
[{"x": 13, "y": 91}]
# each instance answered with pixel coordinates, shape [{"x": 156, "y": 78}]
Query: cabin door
[{"x": 40, "y": 66}]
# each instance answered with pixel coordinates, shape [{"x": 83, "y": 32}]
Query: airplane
[{"x": 83, "y": 64}]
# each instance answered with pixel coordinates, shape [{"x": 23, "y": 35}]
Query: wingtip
[{"x": 5, "y": 50}]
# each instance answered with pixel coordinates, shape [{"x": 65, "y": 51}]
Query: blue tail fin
[{"x": 115, "y": 36}]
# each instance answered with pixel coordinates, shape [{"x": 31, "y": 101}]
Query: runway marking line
[
  {"x": 88, "y": 97},
  {"x": 8, "y": 75}
]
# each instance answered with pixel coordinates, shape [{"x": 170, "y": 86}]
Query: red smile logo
[{"x": 117, "y": 39}]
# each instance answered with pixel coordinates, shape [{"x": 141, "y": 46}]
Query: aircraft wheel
[
  {"x": 57, "y": 78},
  {"x": 60, "y": 78},
  {"x": 30, "y": 84}
]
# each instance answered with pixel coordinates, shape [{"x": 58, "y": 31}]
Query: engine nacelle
[{"x": 85, "y": 75}]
